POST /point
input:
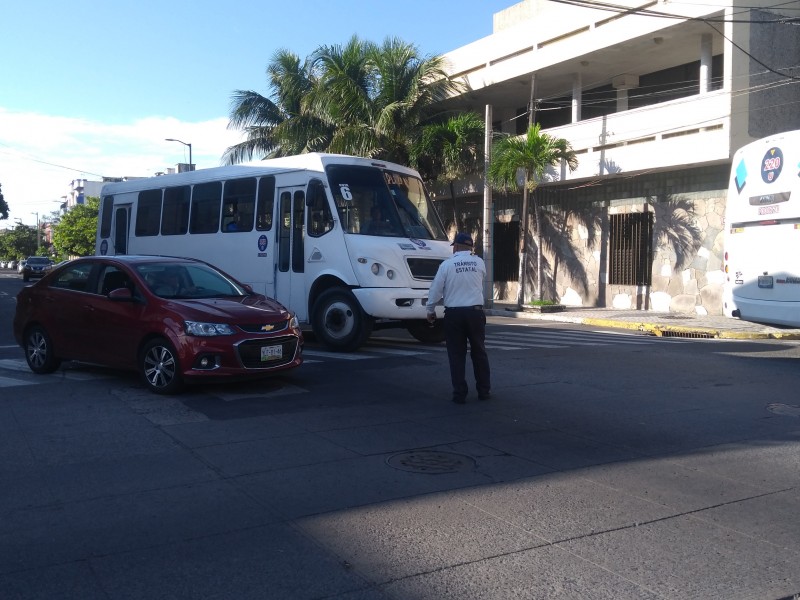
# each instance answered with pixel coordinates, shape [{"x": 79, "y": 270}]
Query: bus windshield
[{"x": 373, "y": 201}]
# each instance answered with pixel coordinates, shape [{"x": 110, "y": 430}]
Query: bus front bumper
[{"x": 394, "y": 303}]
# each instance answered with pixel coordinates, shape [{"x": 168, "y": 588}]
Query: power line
[
  {"x": 50, "y": 164},
  {"x": 616, "y": 8}
]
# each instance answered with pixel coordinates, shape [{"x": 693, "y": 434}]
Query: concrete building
[
  {"x": 80, "y": 189},
  {"x": 654, "y": 98}
]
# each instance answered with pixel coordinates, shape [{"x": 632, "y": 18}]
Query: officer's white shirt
[{"x": 459, "y": 282}]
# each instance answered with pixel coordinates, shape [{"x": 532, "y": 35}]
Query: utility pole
[
  {"x": 523, "y": 234},
  {"x": 488, "y": 212},
  {"x": 38, "y": 233}
]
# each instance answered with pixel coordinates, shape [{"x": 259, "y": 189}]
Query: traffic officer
[{"x": 459, "y": 285}]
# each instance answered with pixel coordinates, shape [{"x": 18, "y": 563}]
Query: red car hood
[{"x": 254, "y": 308}]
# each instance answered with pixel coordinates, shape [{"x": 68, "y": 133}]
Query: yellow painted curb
[{"x": 659, "y": 330}]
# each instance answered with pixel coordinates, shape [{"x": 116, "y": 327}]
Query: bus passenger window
[
  {"x": 298, "y": 252},
  {"x": 320, "y": 218},
  {"x": 148, "y": 213},
  {"x": 285, "y": 232},
  {"x": 107, "y": 213},
  {"x": 205, "y": 207},
  {"x": 175, "y": 215},
  {"x": 266, "y": 203},
  {"x": 238, "y": 204}
]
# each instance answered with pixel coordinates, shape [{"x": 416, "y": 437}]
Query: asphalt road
[{"x": 609, "y": 464}]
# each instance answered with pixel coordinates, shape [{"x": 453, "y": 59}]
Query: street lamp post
[
  {"x": 38, "y": 233},
  {"x": 191, "y": 166}
]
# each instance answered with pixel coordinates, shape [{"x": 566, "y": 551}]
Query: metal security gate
[{"x": 631, "y": 249}]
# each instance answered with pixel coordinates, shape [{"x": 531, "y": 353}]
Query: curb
[
  {"x": 665, "y": 330},
  {"x": 650, "y": 327}
]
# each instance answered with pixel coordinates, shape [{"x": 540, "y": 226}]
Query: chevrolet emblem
[{"x": 267, "y": 327}]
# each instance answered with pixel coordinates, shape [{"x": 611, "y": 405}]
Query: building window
[{"x": 631, "y": 249}]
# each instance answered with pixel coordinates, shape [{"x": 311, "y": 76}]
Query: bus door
[
  {"x": 122, "y": 214},
  {"x": 290, "y": 286}
]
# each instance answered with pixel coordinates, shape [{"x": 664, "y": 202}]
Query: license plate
[
  {"x": 765, "y": 281},
  {"x": 271, "y": 353}
]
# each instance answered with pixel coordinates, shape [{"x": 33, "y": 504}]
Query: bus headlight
[
  {"x": 208, "y": 329},
  {"x": 376, "y": 268},
  {"x": 390, "y": 274}
]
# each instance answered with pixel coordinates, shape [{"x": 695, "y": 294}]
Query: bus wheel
[
  {"x": 425, "y": 332},
  {"x": 339, "y": 322},
  {"x": 159, "y": 368}
]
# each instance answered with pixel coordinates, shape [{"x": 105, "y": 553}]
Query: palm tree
[
  {"x": 532, "y": 154},
  {"x": 360, "y": 98},
  {"x": 450, "y": 151},
  {"x": 277, "y": 126}
]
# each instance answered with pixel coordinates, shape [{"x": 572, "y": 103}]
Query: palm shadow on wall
[
  {"x": 676, "y": 228},
  {"x": 571, "y": 234}
]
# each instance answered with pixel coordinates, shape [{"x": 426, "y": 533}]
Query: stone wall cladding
[
  {"x": 687, "y": 268},
  {"x": 689, "y": 221}
]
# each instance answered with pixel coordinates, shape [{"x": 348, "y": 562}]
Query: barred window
[{"x": 631, "y": 249}]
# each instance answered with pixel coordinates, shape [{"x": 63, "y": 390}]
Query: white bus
[
  {"x": 762, "y": 232},
  {"x": 349, "y": 244}
]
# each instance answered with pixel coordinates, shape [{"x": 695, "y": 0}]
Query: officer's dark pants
[{"x": 462, "y": 324}]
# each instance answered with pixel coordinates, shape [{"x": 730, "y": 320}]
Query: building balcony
[{"x": 686, "y": 132}]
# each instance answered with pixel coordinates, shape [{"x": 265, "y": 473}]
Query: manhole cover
[
  {"x": 430, "y": 461},
  {"x": 787, "y": 410}
]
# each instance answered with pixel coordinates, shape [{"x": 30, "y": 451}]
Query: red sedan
[{"x": 174, "y": 320}]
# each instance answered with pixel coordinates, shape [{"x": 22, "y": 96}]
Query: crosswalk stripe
[
  {"x": 570, "y": 335},
  {"x": 491, "y": 346},
  {"x": 396, "y": 351},
  {"x": 339, "y": 355},
  {"x": 363, "y": 355},
  {"x": 20, "y": 365},
  {"x": 14, "y": 364},
  {"x": 575, "y": 340},
  {"x": 10, "y": 382},
  {"x": 375, "y": 348}
]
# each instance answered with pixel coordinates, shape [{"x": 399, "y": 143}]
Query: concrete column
[
  {"x": 622, "y": 100},
  {"x": 622, "y": 83},
  {"x": 577, "y": 97},
  {"x": 705, "y": 63}
]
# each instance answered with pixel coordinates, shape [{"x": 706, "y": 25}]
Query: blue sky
[{"x": 92, "y": 88}]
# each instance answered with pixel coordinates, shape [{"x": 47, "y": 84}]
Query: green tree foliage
[
  {"x": 276, "y": 126},
  {"x": 361, "y": 98},
  {"x": 75, "y": 233},
  {"x": 450, "y": 151},
  {"x": 19, "y": 242},
  {"x": 532, "y": 155},
  {"x": 3, "y": 205}
]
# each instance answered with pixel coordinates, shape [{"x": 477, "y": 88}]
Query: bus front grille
[{"x": 423, "y": 268}]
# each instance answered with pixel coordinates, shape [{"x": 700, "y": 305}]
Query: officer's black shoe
[
  {"x": 459, "y": 400},
  {"x": 485, "y": 396}
]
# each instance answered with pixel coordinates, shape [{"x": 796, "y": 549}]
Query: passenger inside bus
[
  {"x": 378, "y": 223},
  {"x": 235, "y": 224}
]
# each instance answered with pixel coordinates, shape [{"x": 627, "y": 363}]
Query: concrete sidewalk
[{"x": 657, "y": 323}]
